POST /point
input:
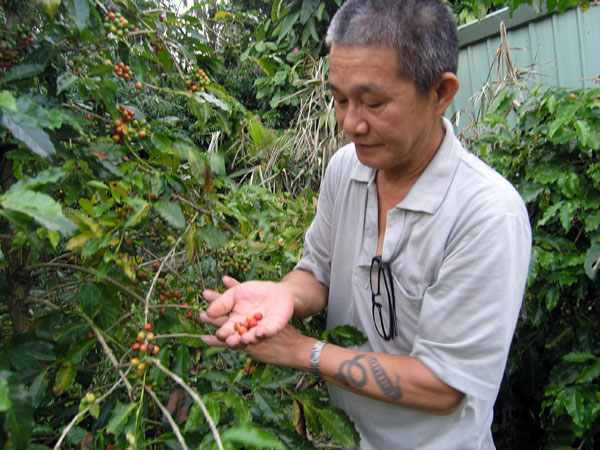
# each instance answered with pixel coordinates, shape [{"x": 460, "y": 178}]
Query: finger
[
  {"x": 233, "y": 341},
  {"x": 209, "y": 295},
  {"x": 249, "y": 338},
  {"x": 222, "y": 305},
  {"x": 212, "y": 341},
  {"x": 226, "y": 330},
  {"x": 229, "y": 282},
  {"x": 218, "y": 321}
]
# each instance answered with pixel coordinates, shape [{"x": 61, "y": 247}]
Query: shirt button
[{"x": 369, "y": 232}]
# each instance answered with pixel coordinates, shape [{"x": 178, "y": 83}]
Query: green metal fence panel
[{"x": 550, "y": 49}]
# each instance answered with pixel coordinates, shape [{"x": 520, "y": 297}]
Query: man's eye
[
  {"x": 340, "y": 101},
  {"x": 374, "y": 105}
]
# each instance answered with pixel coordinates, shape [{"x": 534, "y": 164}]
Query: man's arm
[
  {"x": 310, "y": 296},
  {"x": 401, "y": 380}
]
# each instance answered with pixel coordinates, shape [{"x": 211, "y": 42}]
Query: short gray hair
[{"x": 423, "y": 33}]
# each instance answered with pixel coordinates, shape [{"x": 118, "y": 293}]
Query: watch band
[{"x": 315, "y": 356}]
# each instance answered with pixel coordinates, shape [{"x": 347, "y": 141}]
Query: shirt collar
[{"x": 429, "y": 191}]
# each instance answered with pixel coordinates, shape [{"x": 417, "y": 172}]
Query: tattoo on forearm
[{"x": 354, "y": 374}]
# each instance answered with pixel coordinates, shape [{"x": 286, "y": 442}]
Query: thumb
[{"x": 229, "y": 282}]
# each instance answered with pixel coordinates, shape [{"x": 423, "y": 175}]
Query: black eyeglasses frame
[{"x": 378, "y": 269}]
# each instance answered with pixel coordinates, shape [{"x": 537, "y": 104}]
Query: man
[{"x": 415, "y": 242}]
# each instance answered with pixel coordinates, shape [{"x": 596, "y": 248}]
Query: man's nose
[{"x": 353, "y": 121}]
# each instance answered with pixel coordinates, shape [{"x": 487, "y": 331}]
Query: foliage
[
  {"x": 548, "y": 147},
  {"x": 116, "y": 211}
]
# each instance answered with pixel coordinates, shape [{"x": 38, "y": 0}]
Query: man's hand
[
  {"x": 287, "y": 348},
  {"x": 273, "y": 300}
]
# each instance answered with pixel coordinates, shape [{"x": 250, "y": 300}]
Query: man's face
[{"x": 394, "y": 129}]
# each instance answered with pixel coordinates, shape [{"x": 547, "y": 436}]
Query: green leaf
[
  {"x": 7, "y": 101},
  {"x": 210, "y": 98},
  {"x": 217, "y": 163},
  {"x": 268, "y": 405},
  {"x": 49, "y": 6},
  {"x": 212, "y": 237},
  {"x": 119, "y": 417},
  {"x": 261, "y": 135},
  {"x": 181, "y": 361},
  {"x": 140, "y": 211},
  {"x": 287, "y": 25},
  {"x": 65, "y": 376},
  {"x": 65, "y": 81},
  {"x": 195, "y": 419},
  {"x": 165, "y": 60},
  {"x": 500, "y": 102},
  {"x": 91, "y": 298},
  {"x": 41, "y": 207},
  {"x": 590, "y": 373},
  {"x": 309, "y": 7},
  {"x": 18, "y": 417},
  {"x": 43, "y": 178},
  {"x": 238, "y": 406},
  {"x": 22, "y": 71},
  {"x": 171, "y": 212},
  {"x": 339, "y": 426},
  {"x": 5, "y": 402},
  {"x": 35, "y": 139},
  {"x": 251, "y": 436},
  {"x": 187, "y": 151},
  {"x": 578, "y": 356},
  {"x": 345, "y": 335},
  {"x": 79, "y": 10},
  {"x": 545, "y": 173},
  {"x": 592, "y": 261},
  {"x": 574, "y": 407}
]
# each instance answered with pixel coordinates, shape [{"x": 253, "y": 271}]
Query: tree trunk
[{"x": 19, "y": 282}]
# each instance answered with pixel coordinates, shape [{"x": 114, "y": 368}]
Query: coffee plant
[
  {"x": 547, "y": 142},
  {"x": 116, "y": 211}
]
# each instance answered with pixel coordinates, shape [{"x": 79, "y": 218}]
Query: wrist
[{"x": 315, "y": 359}]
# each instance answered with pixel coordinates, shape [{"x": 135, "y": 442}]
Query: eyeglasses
[{"x": 382, "y": 284}]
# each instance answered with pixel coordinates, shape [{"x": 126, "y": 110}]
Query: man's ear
[{"x": 444, "y": 91}]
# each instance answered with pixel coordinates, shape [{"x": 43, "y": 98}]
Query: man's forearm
[
  {"x": 401, "y": 380},
  {"x": 310, "y": 296}
]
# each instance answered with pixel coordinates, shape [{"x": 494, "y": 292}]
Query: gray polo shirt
[{"x": 458, "y": 247}]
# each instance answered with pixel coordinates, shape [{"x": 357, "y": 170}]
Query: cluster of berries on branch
[
  {"x": 117, "y": 24},
  {"x": 123, "y": 71},
  {"x": 144, "y": 345},
  {"x": 9, "y": 57},
  {"x": 24, "y": 36},
  {"x": 200, "y": 81},
  {"x": 157, "y": 46}
]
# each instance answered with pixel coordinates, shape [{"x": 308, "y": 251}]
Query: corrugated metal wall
[{"x": 561, "y": 49}]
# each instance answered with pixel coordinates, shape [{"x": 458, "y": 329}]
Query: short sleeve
[
  {"x": 469, "y": 313},
  {"x": 316, "y": 257}
]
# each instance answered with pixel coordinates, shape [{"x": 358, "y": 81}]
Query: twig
[
  {"x": 88, "y": 271},
  {"x": 167, "y": 414},
  {"x": 194, "y": 396},
  {"x": 82, "y": 413},
  {"x": 108, "y": 351},
  {"x": 157, "y": 274}
]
